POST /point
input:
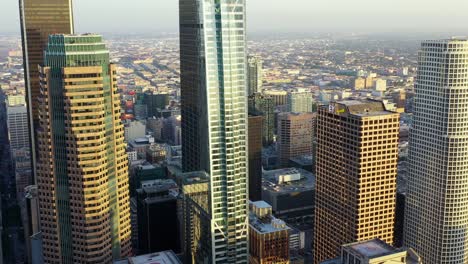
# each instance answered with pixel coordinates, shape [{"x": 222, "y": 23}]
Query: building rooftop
[
  {"x": 288, "y": 180},
  {"x": 303, "y": 160},
  {"x": 262, "y": 220},
  {"x": 194, "y": 177},
  {"x": 371, "y": 249},
  {"x": 376, "y": 248},
  {"x": 261, "y": 204},
  {"x": 452, "y": 39},
  {"x": 360, "y": 107},
  {"x": 165, "y": 257},
  {"x": 158, "y": 185}
]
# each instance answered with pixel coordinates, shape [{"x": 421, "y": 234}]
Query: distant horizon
[
  {"x": 269, "y": 17},
  {"x": 280, "y": 34}
]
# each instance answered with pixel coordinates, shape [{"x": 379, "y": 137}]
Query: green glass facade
[{"x": 263, "y": 105}]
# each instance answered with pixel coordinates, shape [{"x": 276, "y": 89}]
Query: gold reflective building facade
[
  {"x": 357, "y": 153},
  {"x": 82, "y": 170},
  {"x": 39, "y": 19}
]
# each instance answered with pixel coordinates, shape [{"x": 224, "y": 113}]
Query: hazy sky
[{"x": 268, "y": 15}]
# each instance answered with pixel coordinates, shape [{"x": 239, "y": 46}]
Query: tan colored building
[
  {"x": 356, "y": 167},
  {"x": 359, "y": 83},
  {"x": 82, "y": 172},
  {"x": 280, "y": 97},
  {"x": 369, "y": 82},
  {"x": 268, "y": 236},
  {"x": 295, "y": 133}
]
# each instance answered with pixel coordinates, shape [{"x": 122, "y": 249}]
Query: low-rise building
[
  {"x": 158, "y": 223},
  {"x": 268, "y": 236},
  {"x": 291, "y": 193},
  {"x": 374, "y": 251}
]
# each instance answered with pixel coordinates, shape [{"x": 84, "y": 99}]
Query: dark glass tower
[{"x": 39, "y": 19}]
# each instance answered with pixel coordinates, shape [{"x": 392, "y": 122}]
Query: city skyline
[
  {"x": 323, "y": 125},
  {"x": 319, "y": 16}
]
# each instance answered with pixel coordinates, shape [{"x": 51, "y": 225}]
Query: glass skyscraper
[
  {"x": 436, "y": 215},
  {"x": 260, "y": 104},
  {"x": 214, "y": 118},
  {"x": 39, "y": 18},
  {"x": 82, "y": 173}
]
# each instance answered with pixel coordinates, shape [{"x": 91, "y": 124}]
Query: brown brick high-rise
[
  {"x": 295, "y": 133},
  {"x": 357, "y": 152}
]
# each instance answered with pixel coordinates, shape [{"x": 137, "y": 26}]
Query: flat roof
[
  {"x": 261, "y": 204},
  {"x": 371, "y": 248},
  {"x": 361, "y": 107},
  {"x": 164, "y": 257},
  {"x": 270, "y": 183}
]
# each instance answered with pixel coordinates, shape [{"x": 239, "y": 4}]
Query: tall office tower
[
  {"x": 436, "y": 212},
  {"x": 300, "y": 101},
  {"x": 357, "y": 153},
  {"x": 255, "y": 157},
  {"x": 39, "y": 19},
  {"x": 214, "y": 114},
  {"x": 18, "y": 136},
  {"x": 255, "y": 74},
  {"x": 269, "y": 236},
  {"x": 260, "y": 104},
  {"x": 295, "y": 136},
  {"x": 82, "y": 168}
]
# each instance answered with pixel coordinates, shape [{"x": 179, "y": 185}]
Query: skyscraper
[
  {"x": 82, "y": 168},
  {"x": 214, "y": 118},
  {"x": 255, "y": 157},
  {"x": 260, "y": 104},
  {"x": 436, "y": 223},
  {"x": 255, "y": 74},
  {"x": 39, "y": 19},
  {"x": 295, "y": 134},
  {"x": 357, "y": 153}
]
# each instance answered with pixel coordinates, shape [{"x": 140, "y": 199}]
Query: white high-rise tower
[
  {"x": 214, "y": 124},
  {"x": 437, "y": 198}
]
